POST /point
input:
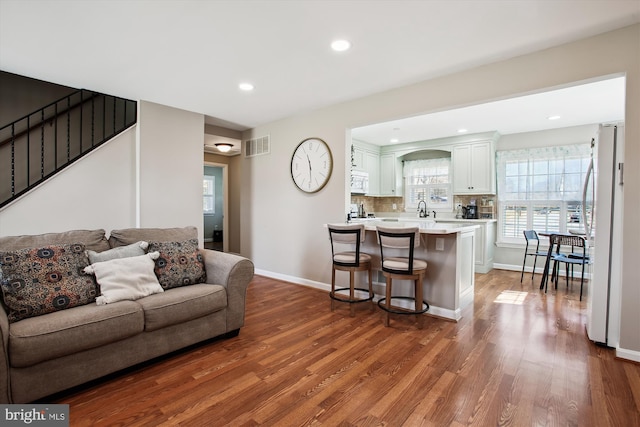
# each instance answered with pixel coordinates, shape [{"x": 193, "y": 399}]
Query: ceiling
[
  {"x": 193, "y": 54},
  {"x": 595, "y": 102}
]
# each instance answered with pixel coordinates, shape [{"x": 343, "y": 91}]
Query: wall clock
[{"x": 311, "y": 165}]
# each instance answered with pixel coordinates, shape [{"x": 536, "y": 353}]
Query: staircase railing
[{"x": 41, "y": 144}]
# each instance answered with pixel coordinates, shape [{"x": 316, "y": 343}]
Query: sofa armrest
[
  {"x": 4, "y": 360},
  {"x": 234, "y": 272}
]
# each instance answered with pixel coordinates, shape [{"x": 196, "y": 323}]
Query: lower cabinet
[{"x": 485, "y": 242}]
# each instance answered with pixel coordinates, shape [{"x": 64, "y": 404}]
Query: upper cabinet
[
  {"x": 388, "y": 175},
  {"x": 472, "y": 163},
  {"x": 474, "y": 168},
  {"x": 366, "y": 158}
]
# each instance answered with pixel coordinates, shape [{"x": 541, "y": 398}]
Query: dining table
[{"x": 545, "y": 272}]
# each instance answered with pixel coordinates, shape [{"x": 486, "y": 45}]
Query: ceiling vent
[{"x": 257, "y": 146}]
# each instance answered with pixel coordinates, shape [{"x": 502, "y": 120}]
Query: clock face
[{"x": 311, "y": 165}]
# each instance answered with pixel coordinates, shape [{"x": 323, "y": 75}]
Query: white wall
[
  {"x": 149, "y": 176},
  {"x": 89, "y": 194},
  {"x": 284, "y": 234},
  {"x": 170, "y": 167}
]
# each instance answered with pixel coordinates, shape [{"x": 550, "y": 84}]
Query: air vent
[{"x": 257, "y": 146}]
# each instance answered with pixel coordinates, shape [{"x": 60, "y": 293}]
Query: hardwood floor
[{"x": 523, "y": 361}]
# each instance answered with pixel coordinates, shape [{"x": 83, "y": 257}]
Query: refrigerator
[{"x": 602, "y": 217}]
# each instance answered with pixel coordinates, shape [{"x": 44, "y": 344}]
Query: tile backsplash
[
  {"x": 379, "y": 204},
  {"x": 386, "y": 204}
]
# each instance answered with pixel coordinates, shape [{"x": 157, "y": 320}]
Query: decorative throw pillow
[
  {"x": 134, "y": 249},
  {"x": 125, "y": 278},
  {"x": 179, "y": 264},
  {"x": 37, "y": 281}
]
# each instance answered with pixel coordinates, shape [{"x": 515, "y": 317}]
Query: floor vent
[{"x": 257, "y": 146}]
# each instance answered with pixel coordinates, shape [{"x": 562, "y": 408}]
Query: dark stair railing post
[
  {"x": 20, "y": 140},
  {"x": 41, "y": 143}
]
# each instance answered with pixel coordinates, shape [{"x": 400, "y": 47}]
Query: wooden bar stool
[
  {"x": 393, "y": 240},
  {"x": 351, "y": 235}
]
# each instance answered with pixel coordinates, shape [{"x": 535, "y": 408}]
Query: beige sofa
[{"x": 52, "y": 352}]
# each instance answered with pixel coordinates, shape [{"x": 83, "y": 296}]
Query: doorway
[{"x": 215, "y": 206}]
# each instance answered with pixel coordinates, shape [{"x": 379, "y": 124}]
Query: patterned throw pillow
[
  {"x": 42, "y": 280},
  {"x": 179, "y": 264}
]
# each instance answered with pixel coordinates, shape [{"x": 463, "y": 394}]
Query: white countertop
[
  {"x": 413, "y": 219},
  {"x": 427, "y": 226}
]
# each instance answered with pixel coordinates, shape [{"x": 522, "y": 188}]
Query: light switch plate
[{"x": 439, "y": 244}]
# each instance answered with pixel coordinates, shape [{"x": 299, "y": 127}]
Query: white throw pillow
[{"x": 126, "y": 278}]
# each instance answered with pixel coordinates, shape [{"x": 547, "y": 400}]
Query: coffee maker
[{"x": 470, "y": 212}]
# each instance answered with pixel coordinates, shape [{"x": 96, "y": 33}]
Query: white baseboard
[
  {"x": 632, "y": 355},
  {"x": 433, "y": 310}
]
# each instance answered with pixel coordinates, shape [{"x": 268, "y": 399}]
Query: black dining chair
[
  {"x": 577, "y": 256},
  {"x": 530, "y": 236}
]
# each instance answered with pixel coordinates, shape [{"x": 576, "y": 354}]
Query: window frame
[
  {"x": 429, "y": 189},
  {"x": 567, "y": 207},
  {"x": 211, "y": 196}
]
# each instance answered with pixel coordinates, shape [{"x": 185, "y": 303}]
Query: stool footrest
[
  {"x": 333, "y": 295},
  {"x": 401, "y": 310}
]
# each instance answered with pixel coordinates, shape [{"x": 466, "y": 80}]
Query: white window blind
[
  {"x": 540, "y": 189},
  {"x": 209, "y": 195},
  {"x": 428, "y": 180}
]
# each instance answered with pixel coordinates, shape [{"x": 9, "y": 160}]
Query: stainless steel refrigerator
[{"x": 602, "y": 216}]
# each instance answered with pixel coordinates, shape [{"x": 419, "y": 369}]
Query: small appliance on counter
[
  {"x": 459, "y": 214},
  {"x": 470, "y": 212}
]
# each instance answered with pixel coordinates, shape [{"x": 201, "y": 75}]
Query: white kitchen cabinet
[
  {"x": 485, "y": 242},
  {"x": 388, "y": 175},
  {"x": 474, "y": 168},
  {"x": 372, "y": 166}
]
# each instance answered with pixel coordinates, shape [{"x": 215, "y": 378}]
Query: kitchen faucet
[{"x": 422, "y": 213}]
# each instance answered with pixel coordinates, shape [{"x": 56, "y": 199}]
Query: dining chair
[
  {"x": 579, "y": 257},
  {"x": 350, "y": 237},
  {"x": 530, "y": 236}
]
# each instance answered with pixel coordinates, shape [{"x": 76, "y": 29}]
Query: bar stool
[
  {"x": 351, "y": 261},
  {"x": 391, "y": 240}
]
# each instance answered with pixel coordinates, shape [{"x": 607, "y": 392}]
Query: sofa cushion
[
  {"x": 128, "y": 236},
  {"x": 134, "y": 249},
  {"x": 94, "y": 240},
  {"x": 179, "y": 264},
  {"x": 125, "y": 278},
  {"x": 41, "y": 280},
  {"x": 69, "y": 331},
  {"x": 181, "y": 305}
]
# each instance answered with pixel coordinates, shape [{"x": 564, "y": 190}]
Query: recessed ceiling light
[
  {"x": 553, "y": 117},
  {"x": 463, "y": 130},
  {"x": 340, "y": 45},
  {"x": 247, "y": 87}
]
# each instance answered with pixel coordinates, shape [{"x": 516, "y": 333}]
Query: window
[
  {"x": 209, "y": 195},
  {"x": 428, "y": 180},
  {"x": 541, "y": 189}
]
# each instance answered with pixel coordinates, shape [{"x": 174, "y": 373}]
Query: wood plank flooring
[{"x": 524, "y": 361}]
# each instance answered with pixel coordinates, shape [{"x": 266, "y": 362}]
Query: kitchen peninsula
[{"x": 449, "y": 250}]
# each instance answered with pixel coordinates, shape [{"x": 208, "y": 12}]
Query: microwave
[{"x": 359, "y": 182}]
